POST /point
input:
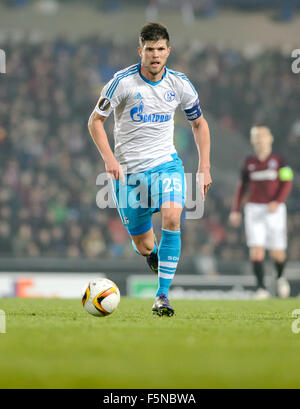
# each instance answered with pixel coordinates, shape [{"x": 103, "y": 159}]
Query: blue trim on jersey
[
  {"x": 184, "y": 77},
  {"x": 114, "y": 85},
  {"x": 133, "y": 70},
  {"x": 148, "y": 81}
]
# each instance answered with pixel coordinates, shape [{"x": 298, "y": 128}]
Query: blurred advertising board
[
  {"x": 206, "y": 287},
  {"x": 45, "y": 285},
  {"x": 184, "y": 286}
]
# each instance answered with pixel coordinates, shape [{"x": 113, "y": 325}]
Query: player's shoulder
[
  {"x": 114, "y": 87},
  {"x": 128, "y": 71},
  {"x": 272, "y": 160},
  {"x": 278, "y": 159},
  {"x": 177, "y": 75},
  {"x": 277, "y": 156},
  {"x": 250, "y": 163},
  {"x": 180, "y": 80}
]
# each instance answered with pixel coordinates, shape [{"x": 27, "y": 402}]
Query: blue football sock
[
  {"x": 136, "y": 250},
  {"x": 134, "y": 247},
  {"x": 168, "y": 256}
]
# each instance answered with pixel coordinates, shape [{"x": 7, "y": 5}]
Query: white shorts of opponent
[{"x": 265, "y": 229}]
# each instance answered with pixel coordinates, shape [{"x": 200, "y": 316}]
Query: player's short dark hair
[{"x": 153, "y": 32}]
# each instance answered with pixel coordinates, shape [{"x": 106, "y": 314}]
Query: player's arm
[
  {"x": 235, "y": 216},
  {"x": 202, "y": 139},
  {"x": 285, "y": 175},
  {"x": 97, "y": 131},
  {"x": 191, "y": 106},
  {"x": 107, "y": 102}
]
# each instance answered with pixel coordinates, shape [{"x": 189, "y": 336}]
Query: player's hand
[
  {"x": 204, "y": 181},
  {"x": 235, "y": 219},
  {"x": 114, "y": 170},
  {"x": 272, "y": 206}
]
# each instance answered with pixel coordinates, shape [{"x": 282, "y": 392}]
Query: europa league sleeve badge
[{"x": 104, "y": 104}]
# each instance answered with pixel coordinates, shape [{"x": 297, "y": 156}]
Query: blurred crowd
[
  {"x": 190, "y": 9},
  {"x": 49, "y": 164}
]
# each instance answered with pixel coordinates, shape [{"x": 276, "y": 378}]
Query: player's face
[
  {"x": 261, "y": 139},
  {"x": 154, "y": 56}
]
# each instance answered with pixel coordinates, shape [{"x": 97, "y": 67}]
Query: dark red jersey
[{"x": 261, "y": 179}]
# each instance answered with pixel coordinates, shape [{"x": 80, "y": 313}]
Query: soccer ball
[{"x": 101, "y": 297}]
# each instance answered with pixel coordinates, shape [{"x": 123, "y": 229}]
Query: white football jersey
[{"x": 144, "y": 115}]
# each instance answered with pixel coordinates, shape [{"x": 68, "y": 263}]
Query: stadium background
[{"x": 59, "y": 54}]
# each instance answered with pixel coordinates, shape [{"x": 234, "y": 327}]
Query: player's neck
[
  {"x": 152, "y": 77},
  {"x": 263, "y": 155}
]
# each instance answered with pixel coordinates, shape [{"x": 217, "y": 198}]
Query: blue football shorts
[{"x": 145, "y": 192}]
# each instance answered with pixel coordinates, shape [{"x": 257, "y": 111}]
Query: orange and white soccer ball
[{"x": 101, "y": 297}]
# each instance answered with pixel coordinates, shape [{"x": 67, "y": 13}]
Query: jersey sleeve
[
  {"x": 285, "y": 175},
  {"x": 190, "y": 101},
  {"x": 111, "y": 96}
]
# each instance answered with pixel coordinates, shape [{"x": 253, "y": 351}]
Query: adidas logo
[{"x": 138, "y": 96}]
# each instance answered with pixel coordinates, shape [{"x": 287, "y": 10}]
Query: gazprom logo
[{"x": 137, "y": 115}]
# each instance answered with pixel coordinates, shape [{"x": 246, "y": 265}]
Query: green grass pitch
[{"x": 207, "y": 344}]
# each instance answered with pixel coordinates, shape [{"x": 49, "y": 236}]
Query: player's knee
[
  {"x": 278, "y": 255},
  {"x": 257, "y": 254},
  {"x": 171, "y": 222},
  {"x": 258, "y": 259}
]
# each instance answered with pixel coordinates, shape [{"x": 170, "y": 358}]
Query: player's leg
[
  {"x": 279, "y": 258},
  {"x": 277, "y": 243},
  {"x": 170, "y": 245},
  {"x": 136, "y": 218},
  {"x": 168, "y": 196},
  {"x": 256, "y": 231},
  {"x": 140, "y": 218},
  {"x": 257, "y": 257},
  {"x": 145, "y": 244},
  {"x": 282, "y": 285},
  {"x": 168, "y": 256}
]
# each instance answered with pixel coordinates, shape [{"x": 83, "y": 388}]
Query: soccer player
[
  {"x": 269, "y": 180},
  {"x": 144, "y": 98}
]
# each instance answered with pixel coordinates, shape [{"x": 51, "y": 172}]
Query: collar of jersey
[{"x": 151, "y": 82}]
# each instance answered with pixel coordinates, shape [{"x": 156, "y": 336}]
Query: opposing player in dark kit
[{"x": 269, "y": 180}]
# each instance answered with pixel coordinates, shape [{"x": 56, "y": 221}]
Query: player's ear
[{"x": 140, "y": 51}]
